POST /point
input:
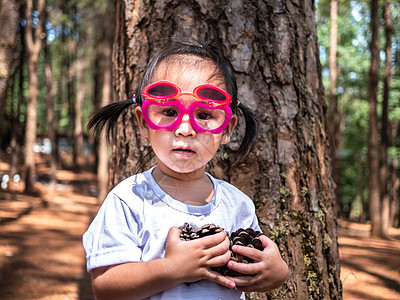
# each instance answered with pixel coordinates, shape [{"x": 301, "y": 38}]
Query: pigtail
[
  {"x": 250, "y": 136},
  {"x": 106, "y": 117}
]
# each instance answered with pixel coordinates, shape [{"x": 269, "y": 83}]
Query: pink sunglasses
[
  {"x": 159, "y": 113},
  {"x": 164, "y": 89}
]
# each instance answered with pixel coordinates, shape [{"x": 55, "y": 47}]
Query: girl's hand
[
  {"x": 192, "y": 260},
  {"x": 268, "y": 271}
]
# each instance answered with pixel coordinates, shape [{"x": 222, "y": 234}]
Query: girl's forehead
[{"x": 186, "y": 73}]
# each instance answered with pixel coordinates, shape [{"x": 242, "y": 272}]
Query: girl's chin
[{"x": 186, "y": 168}]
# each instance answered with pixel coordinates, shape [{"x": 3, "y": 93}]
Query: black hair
[{"x": 106, "y": 117}]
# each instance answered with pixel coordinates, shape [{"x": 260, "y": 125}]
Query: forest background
[
  {"x": 70, "y": 86},
  {"x": 54, "y": 75}
]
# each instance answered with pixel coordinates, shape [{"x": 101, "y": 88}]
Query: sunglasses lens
[
  {"x": 162, "y": 90},
  {"x": 209, "y": 118},
  {"x": 162, "y": 115},
  {"x": 211, "y": 94}
]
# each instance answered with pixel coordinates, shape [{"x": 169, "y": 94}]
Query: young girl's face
[{"x": 183, "y": 152}]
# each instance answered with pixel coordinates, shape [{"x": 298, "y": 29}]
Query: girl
[{"x": 187, "y": 108}]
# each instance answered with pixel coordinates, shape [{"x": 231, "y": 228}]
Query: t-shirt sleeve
[
  {"x": 255, "y": 225},
  {"x": 112, "y": 237}
]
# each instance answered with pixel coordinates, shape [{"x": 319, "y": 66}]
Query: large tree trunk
[
  {"x": 33, "y": 48},
  {"x": 273, "y": 49},
  {"x": 9, "y": 14},
  {"x": 373, "y": 152}
]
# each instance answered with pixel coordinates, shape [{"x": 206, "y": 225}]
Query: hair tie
[
  {"x": 238, "y": 103},
  {"x": 133, "y": 99}
]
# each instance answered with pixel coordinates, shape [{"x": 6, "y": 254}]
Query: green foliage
[
  {"x": 72, "y": 29},
  {"x": 353, "y": 58}
]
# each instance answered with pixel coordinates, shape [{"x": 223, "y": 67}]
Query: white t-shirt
[{"x": 133, "y": 222}]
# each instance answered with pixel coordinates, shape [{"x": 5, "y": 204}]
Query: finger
[
  {"x": 252, "y": 253},
  {"x": 268, "y": 244},
  {"x": 265, "y": 241},
  {"x": 220, "y": 259},
  {"x": 247, "y": 269},
  {"x": 212, "y": 240},
  {"x": 243, "y": 281},
  {"x": 174, "y": 234},
  {"x": 225, "y": 281},
  {"x": 220, "y": 249}
]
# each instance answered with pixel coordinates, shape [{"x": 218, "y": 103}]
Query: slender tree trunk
[
  {"x": 71, "y": 108},
  {"x": 103, "y": 90},
  {"x": 51, "y": 123},
  {"x": 77, "y": 87},
  {"x": 9, "y": 14},
  {"x": 14, "y": 144},
  {"x": 373, "y": 151},
  {"x": 273, "y": 48},
  {"x": 333, "y": 113},
  {"x": 103, "y": 165},
  {"x": 80, "y": 94},
  {"x": 33, "y": 47},
  {"x": 383, "y": 172},
  {"x": 97, "y": 86},
  {"x": 62, "y": 87},
  {"x": 394, "y": 196}
]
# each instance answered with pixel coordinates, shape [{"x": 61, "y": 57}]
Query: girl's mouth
[{"x": 183, "y": 151}]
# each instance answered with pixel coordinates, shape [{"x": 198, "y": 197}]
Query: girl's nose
[{"x": 185, "y": 127}]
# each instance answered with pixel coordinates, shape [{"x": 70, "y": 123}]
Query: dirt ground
[
  {"x": 41, "y": 255},
  {"x": 370, "y": 267}
]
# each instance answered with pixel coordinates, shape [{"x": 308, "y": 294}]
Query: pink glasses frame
[
  {"x": 179, "y": 92},
  {"x": 212, "y": 104},
  {"x": 189, "y": 111}
]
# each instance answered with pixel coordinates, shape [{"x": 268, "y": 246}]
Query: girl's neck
[
  {"x": 181, "y": 177},
  {"x": 195, "y": 188}
]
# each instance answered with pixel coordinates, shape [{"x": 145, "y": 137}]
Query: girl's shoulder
[
  {"x": 135, "y": 185},
  {"x": 223, "y": 187}
]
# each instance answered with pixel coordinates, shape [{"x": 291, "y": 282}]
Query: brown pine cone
[
  {"x": 243, "y": 237},
  {"x": 188, "y": 232}
]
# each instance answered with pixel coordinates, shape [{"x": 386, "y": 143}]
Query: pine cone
[
  {"x": 243, "y": 237},
  {"x": 188, "y": 232}
]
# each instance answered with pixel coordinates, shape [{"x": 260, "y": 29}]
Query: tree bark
[
  {"x": 9, "y": 14},
  {"x": 383, "y": 172},
  {"x": 33, "y": 49},
  {"x": 273, "y": 48},
  {"x": 373, "y": 151}
]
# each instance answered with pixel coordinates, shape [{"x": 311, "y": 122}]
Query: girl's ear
[
  {"x": 226, "y": 135},
  {"x": 143, "y": 128}
]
